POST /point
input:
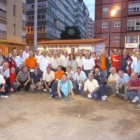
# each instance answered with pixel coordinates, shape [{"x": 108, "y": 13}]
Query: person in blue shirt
[{"x": 64, "y": 88}]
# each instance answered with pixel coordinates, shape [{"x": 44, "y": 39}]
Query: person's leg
[
  {"x": 139, "y": 96},
  {"x": 26, "y": 88},
  {"x": 104, "y": 72},
  {"x": 8, "y": 82},
  {"x": 113, "y": 88},
  {"x": 131, "y": 94},
  {"x": 15, "y": 86},
  {"x": 7, "y": 90},
  {"x": 54, "y": 89}
]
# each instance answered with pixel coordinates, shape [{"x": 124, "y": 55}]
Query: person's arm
[
  {"x": 58, "y": 90},
  {"x": 27, "y": 81}
]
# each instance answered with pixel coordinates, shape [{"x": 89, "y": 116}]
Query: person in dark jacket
[
  {"x": 126, "y": 63},
  {"x": 99, "y": 77}
]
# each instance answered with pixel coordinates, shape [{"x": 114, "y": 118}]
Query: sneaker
[
  {"x": 6, "y": 96},
  {"x": 135, "y": 99},
  {"x": 2, "y": 96},
  {"x": 104, "y": 98},
  {"x": 89, "y": 95},
  {"x": 117, "y": 92},
  {"x": 45, "y": 90}
]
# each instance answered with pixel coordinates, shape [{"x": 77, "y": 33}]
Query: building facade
[
  {"x": 53, "y": 16},
  {"x": 89, "y": 28},
  {"x": 81, "y": 15},
  {"x": 12, "y": 24},
  {"x": 124, "y": 26}
]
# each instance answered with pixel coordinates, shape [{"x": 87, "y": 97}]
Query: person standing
[
  {"x": 64, "y": 60},
  {"x": 72, "y": 62},
  {"x": 26, "y": 52}
]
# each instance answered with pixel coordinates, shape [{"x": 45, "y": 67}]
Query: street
[{"x": 30, "y": 116}]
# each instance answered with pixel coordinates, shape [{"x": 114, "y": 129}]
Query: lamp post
[
  {"x": 112, "y": 14},
  {"x": 35, "y": 25}
]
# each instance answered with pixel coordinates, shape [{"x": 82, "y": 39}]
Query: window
[
  {"x": 104, "y": 25},
  {"x": 14, "y": 29},
  {"x": 134, "y": 7},
  {"x": 116, "y": 38},
  {"x": 14, "y": 10},
  {"x": 117, "y": 24},
  {"x": 133, "y": 25},
  {"x": 132, "y": 39},
  {"x": 105, "y": 10}
]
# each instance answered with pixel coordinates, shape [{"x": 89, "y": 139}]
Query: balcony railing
[
  {"x": 24, "y": 23},
  {"x": 24, "y": 6},
  {"x": 135, "y": 28},
  {"x": 133, "y": 12},
  {"x": 3, "y": 35},
  {"x": 2, "y": 14},
  {"x": 23, "y": 39}
]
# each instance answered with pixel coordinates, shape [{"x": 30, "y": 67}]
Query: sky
[{"x": 91, "y": 7}]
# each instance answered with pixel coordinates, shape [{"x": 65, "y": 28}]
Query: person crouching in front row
[
  {"x": 93, "y": 90},
  {"x": 64, "y": 88}
]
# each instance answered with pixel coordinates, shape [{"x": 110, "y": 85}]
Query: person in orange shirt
[
  {"x": 31, "y": 61},
  {"x": 58, "y": 75},
  {"x": 104, "y": 64}
]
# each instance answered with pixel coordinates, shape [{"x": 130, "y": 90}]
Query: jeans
[
  {"x": 6, "y": 90},
  {"x": 77, "y": 88},
  {"x": 104, "y": 73},
  {"x": 132, "y": 94},
  {"x": 54, "y": 92},
  {"x": 99, "y": 93},
  {"x": 87, "y": 72}
]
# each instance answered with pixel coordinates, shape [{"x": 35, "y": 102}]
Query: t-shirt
[
  {"x": 5, "y": 73},
  {"x": 36, "y": 77},
  {"x": 22, "y": 77},
  {"x": 44, "y": 62},
  {"x": 136, "y": 66},
  {"x": 91, "y": 85},
  {"x": 103, "y": 63},
  {"x": 115, "y": 61},
  {"x": 134, "y": 83},
  {"x": 58, "y": 75},
  {"x": 12, "y": 78},
  {"x": 48, "y": 77},
  {"x": 80, "y": 77},
  {"x": 54, "y": 63},
  {"x": 124, "y": 79},
  {"x": 2, "y": 80},
  {"x": 65, "y": 87},
  {"x": 113, "y": 77},
  {"x": 88, "y": 64},
  {"x": 31, "y": 62}
]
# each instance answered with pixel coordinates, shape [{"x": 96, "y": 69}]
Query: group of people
[{"x": 62, "y": 73}]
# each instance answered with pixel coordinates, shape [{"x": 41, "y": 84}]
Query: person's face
[
  {"x": 48, "y": 69},
  {"x": 90, "y": 76},
  {"x": 14, "y": 52},
  {"x": 12, "y": 70},
  {"x": 68, "y": 69},
  {"x": 64, "y": 78},
  {"x": 25, "y": 70},
  {"x": 78, "y": 70},
  {"x": 124, "y": 53},
  {"x": 27, "y": 48},
  {"x": 87, "y": 55},
  {"x": 97, "y": 71},
  {"x": 115, "y": 51},
  {"x": 121, "y": 74},
  {"x": 31, "y": 54},
  {"x": 21, "y": 53},
  {"x": 133, "y": 76},
  {"x": 5, "y": 67},
  {"x": 10, "y": 56},
  {"x": 59, "y": 69},
  {"x": 112, "y": 71}
]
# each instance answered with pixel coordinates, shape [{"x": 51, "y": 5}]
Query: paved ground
[{"x": 36, "y": 117}]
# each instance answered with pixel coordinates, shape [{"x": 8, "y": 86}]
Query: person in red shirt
[
  {"x": 116, "y": 60},
  {"x": 12, "y": 78},
  {"x": 133, "y": 88}
]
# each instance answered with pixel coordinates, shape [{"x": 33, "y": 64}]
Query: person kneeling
[
  {"x": 95, "y": 91},
  {"x": 23, "y": 80},
  {"x": 4, "y": 89},
  {"x": 64, "y": 88},
  {"x": 36, "y": 80}
]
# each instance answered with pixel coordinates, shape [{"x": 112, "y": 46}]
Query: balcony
[
  {"x": 2, "y": 14},
  {"x": 135, "y": 28},
  {"x": 24, "y": 6},
  {"x": 134, "y": 13},
  {"x": 23, "y": 39},
  {"x": 3, "y": 35},
  {"x": 23, "y": 23}
]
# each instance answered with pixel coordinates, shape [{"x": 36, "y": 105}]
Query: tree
[{"x": 71, "y": 32}]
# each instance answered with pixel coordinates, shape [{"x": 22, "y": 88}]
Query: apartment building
[
  {"x": 53, "y": 16},
  {"x": 125, "y": 25},
  {"x": 12, "y": 24},
  {"x": 89, "y": 28},
  {"x": 81, "y": 15}
]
